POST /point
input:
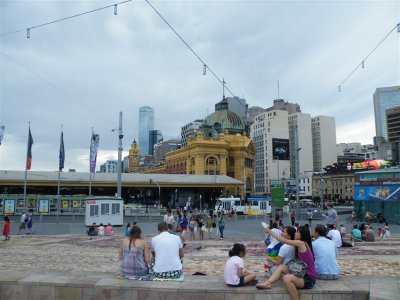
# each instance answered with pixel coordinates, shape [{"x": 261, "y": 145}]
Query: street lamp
[{"x": 297, "y": 184}]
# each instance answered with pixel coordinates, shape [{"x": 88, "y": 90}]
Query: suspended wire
[
  {"x": 362, "y": 63},
  {"x": 205, "y": 66},
  {"x": 57, "y": 88},
  {"x": 67, "y": 18}
]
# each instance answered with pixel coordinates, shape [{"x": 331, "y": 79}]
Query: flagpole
[
  {"x": 90, "y": 171},
  {"x": 26, "y": 170},
  {"x": 58, "y": 183}
]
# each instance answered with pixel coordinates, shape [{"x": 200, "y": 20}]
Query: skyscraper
[
  {"x": 146, "y": 124},
  {"x": 155, "y": 136},
  {"x": 384, "y": 98}
]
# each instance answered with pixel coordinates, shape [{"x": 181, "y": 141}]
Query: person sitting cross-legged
[{"x": 325, "y": 253}]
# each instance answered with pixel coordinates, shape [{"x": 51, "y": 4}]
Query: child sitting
[
  {"x": 234, "y": 273},
  {"x": 342, "y": 230},
  {"x": 386, "y": 231},
  {"x": 273, "y": 247}
]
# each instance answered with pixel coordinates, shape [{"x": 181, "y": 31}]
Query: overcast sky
[{"x": 82, "y": 72}]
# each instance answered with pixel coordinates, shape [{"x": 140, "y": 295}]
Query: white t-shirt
[
  {"x": 232, "y": 267},
  {"x": 287, "y": 252},
  {"x": 166, "y": 246},
  {"x": 273, "y": 240},
  {"x": 23, "y": 217},
  {"x": 335, "y": 236},
  {"x": 169, "y": 219}
]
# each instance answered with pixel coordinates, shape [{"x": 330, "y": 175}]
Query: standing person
[
  {"x": 192, "y": 225},
  {"x": 29, "y": 223},
  {"x": 200, "y": 222},
  {"x": 386, "y": 231},
  {"x": 183, "y": 223},
  {"x": 209, "y": 226},
  {"x": 310, "y": 216},
  {"x": 325, "y": 254},
  {"x": 333, "y": 218},
  {"x": 234, "y": 273},
  {"x": 128, "y": 230},
  {"x": 304, "y": 253},
  {"x": 169, "y": 218},
  {"x": 168, "y": 251},
  {"x": 6, "y": 228},
  {"x": 221, "y": 226},
  {"x": 22, "y": 225},
  {"x": 293, "y": 217}
]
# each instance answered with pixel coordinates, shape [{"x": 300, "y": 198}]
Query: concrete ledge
[{"x": 77, "y": 285}]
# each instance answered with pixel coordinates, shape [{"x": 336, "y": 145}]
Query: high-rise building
[
  {"x": 237, "y": 105},
  {"x": 110, "y": 166},
  {"x": 163, "y": 147},
  {"x": 323, "y": 142},
  {"x": 280, "y": 104},
  {"x": 253, "y": 111},
  {"x": 393, "y": 124},
  {"x": 189, "y": 130},
  {"x": 155, "y": 137},
  {"x": 300, "y": 137},
  {"x": 384, "y": 98},
  {"x": 146, "y": 124},
  {"x": 270, "y": 136}
]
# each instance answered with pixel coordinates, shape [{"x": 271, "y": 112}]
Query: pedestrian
[
  {"x": 333, "y": 218},
  {"x": 293, "y": 217},
  {"x": 310, "y": 216},
  {"x": 386, "y": 231},
  {"x": 6, "y": 228},
  {"x": 183, "y": 224},
  {"x": 209, "y": 226},
  {"x": 221, "y": 226},
  {"x": 201, "y": 228},
  {"x": 22, "y": 225},
  {"x": 29, "y": 223},
  {"x": 169, "y": 218},
  {"x": 192, "y": 226},
  {"x": 128, "y": 230}
]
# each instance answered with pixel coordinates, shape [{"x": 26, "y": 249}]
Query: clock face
[{"x": 134, "y": 158}]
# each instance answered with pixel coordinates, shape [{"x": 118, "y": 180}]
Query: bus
[{"x": 252, "y": 206}]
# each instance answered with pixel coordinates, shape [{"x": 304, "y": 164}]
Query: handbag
[{"x": 297, "y": 268}]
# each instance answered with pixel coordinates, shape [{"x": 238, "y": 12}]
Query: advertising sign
[
  {"x": 280, "y": 149},
  {"x": 384, "y": 193},
  {"x": 44, "y": 206},
  {"x": 9, "y": 206},
  {"x": 75, "y": 203},
  {"x": 64, "y": 203},
  {"x": 277, "y": 194},
  {"x": 31, "y": 203}
]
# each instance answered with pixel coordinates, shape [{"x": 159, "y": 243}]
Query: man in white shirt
[
  {"x": 22, "y": 225},
  {"x": 325, "y": 254},
  {"x": 335, "y": 236},
  {"x": 286, "y": 252},
  {"x": 168, "y": 252},
  {"x": 169, "y": 218}
]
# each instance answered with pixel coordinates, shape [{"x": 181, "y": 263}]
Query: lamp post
[
  {"x": 120, "y": 136},
  {"x": 297, "y": 184}
]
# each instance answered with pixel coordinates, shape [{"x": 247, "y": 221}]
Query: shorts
[
  {"x": 191, "y": 229},
  {"x": 22, "y": 226},
  {"x": 241, "y": 283},
  {"x": 308, "y": 282}
]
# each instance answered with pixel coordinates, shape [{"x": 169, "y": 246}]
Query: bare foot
[{"x": 263, "y": 286}]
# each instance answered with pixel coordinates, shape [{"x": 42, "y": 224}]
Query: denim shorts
[{"x": 308, "y": 282}]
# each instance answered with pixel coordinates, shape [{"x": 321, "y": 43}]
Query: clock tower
[{"x": 133, "y": 157}]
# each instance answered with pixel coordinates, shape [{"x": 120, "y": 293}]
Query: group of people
[
  {"x": 25, "y": 225},
  {"x": 365, "y": 232},
  {"x": 289, "y": 250},
  {"x": 100, "y": 230}
]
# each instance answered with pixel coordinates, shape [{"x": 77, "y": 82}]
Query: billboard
[
  {"x": 277, "y": 194},
  {"x": 384, "y": 193},
  {"x": 280, "y": 149},
  {"x": 374, "y": 164}
]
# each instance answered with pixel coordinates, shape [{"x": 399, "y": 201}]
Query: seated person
[
  {"x": 100, "y": 230},
  {"x": 92, "y": 231},
  {"x": 356, "y": 234},
  {"x": 234, "y": 273},
  {"x": 109, "y": 230},
  {"x": 368, "y": 234},
  {"x": 286, "y": 252},
  {"x": 168, "y": 251},
  {"x": 325, "y": 253},
  {"x": 134, "y": 254},
  {"x": 334, "y": 235},
  {"x": 273, "y": 247}
]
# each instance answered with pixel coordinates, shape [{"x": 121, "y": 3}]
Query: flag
[
  {"x": 29, "y": 152},
  {"x": 62, "y": 153},
  {"x": 94, "y": 146},
  {"x": 2, "y": 127}
]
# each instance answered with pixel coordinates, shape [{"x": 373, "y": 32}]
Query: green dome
[{"x": 226, "y": 119}]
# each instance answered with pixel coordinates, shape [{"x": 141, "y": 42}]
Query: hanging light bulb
[
  {"x": 339, "y": 88},
  {"x": 115, "y": 9},
  {"x": 362, "y": 64},
  {"x": 204, "y": 69},
  {"x": 28, "y": 33},
  {"x": 398, "y": 27}
]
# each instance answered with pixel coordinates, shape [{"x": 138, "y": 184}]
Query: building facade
[
  {"x": 163, "y": 147},
  {"x": 384, "y": 98},
  {"x": 280, "y": 104},
  {"x": 393, "y": 124},
  {"x": 155, "y": 136},
  {"x": 334, "y": 187},
  {"x": 146, "y": 124},
  {"x": 189, "y": 130},
  {"x": 110, "y": 166},
  {"x": 323, "y": 142},
  {"x": 270, "y": 136},
  {"x": 133, "y": 158}
]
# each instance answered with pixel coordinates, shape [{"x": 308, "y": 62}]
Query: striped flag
[
  {"x": 94, "y": 146},
  {"x": 62, "y": 153},
  {"x": 29, "y": 151},
  {"x": 2, "y": 127}
]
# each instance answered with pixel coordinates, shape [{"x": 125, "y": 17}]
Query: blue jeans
[{"x": 221, "y": 232}]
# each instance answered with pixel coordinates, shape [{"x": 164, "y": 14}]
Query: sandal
[{"x": 263, "y": 286}]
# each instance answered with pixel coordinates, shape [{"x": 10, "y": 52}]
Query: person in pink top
[
  {"x": 109, "y": 230},
  {"x": 304, "y": 252}
]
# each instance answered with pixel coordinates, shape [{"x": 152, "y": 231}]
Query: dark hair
[
  {"x": 101, "y": 224},
  {"x": 162, "y": 226},
  {"x": 291, "y": 231},
  {"x": 170, "y": 227},
  {"x": 169, "y": 210},
  {"x": 237, "y": 248},
  {"x": 355, "y": 226},
  {"x": 321, "y": 230},
  {"x": 305, "y": 236},
  {"x": 6, "y": 219},
  {"x": 307, "y": 226},
  {"x": 296, "y": 224},
  {"x": 329, "y": 205},
  {"x": 135, "y": 233},
  {"x": 128, "y": 225},
  {"x": 134, "y": 223},
  {"x": 331, "y": 226},
  {"x": 274, "y": 225}
]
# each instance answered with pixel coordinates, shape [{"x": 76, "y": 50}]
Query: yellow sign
[
  {"x": 32, "y": 203},
  {"x": 75, "y": 203},
  {"x": 64, "y": 203}
]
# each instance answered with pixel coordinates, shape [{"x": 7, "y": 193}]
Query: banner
[
  {"x": 94, "y": 146},
  {"x": 9, "y": 206},
  {"x": 2, "y": 128},
  {"x": 44, "y": 206},
  {"x": 62, "y": 153},
  {"x": 383, "y": 193},
  {"x": 280, "y": 149},
  {"x": 277, "y": 194},
  {"x": 29, "y": 152}
]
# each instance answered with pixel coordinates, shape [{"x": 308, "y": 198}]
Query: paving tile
[
  {"x": 327, "y": 297},
  {"x": 356, "y": 297},
  {"x": 180, "y": 296},
  {"x": 267, "y": 296},
  {"x": 210, "y": 296},
  {"x": 231, "y": 296},
  {"x": 68, "y": 293},
  {"x": 124, "y": 294},
  {"x": 14, "y": 292},
  {"x": 152, "y": 295},
  {"x": 42, "y": 292}
]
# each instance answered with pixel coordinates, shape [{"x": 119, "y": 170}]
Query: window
[
  {"x": 105, "y": 209},
  {"x": 94, "y": 210},
  {"x": 115, "y": 208}
]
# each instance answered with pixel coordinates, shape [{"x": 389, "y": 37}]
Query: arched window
[{"x": 211, "y": 167}]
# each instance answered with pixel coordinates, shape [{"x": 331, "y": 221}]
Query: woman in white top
[{"x": 101, "y": 230}]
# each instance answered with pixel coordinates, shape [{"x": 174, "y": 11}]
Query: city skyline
[{"x": 251, "y": 55}]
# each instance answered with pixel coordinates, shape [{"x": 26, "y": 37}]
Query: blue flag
[{"x": 62, "y": 153}]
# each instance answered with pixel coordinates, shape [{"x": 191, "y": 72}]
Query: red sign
[{"x": 90, "y": 201}]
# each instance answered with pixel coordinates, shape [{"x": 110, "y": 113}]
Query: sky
[{"x": 82, "y": 72}]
